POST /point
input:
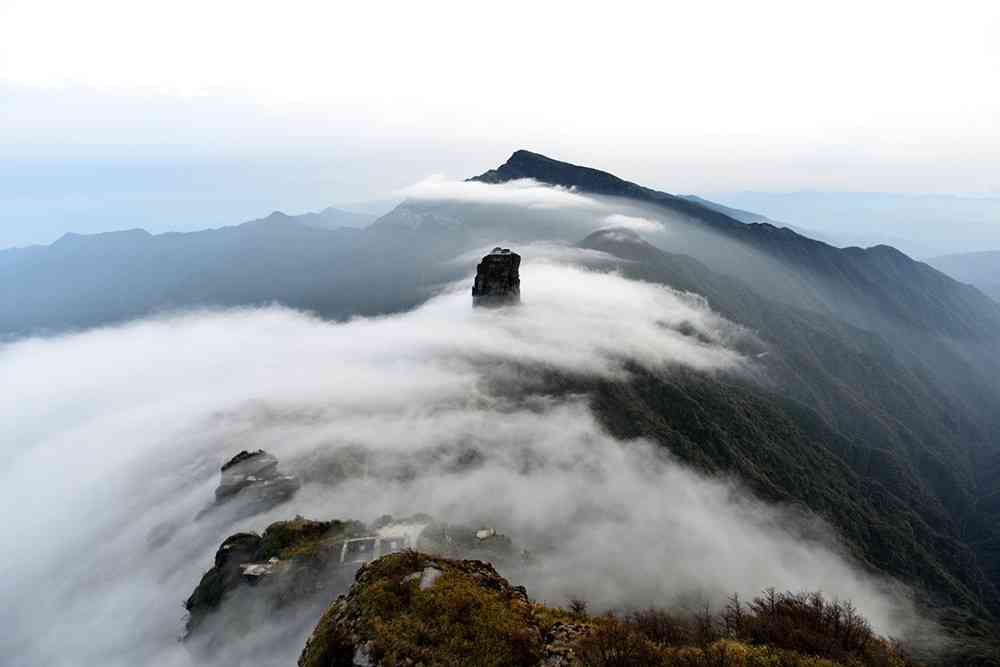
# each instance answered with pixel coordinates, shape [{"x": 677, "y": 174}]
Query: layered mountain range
[
  {"x": 981, "y": 269},
  {"x": 877, "y": 401}
]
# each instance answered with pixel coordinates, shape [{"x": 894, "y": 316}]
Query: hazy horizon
[
  {"x": 42, "y": 201},
  {"x": 110, "y": 124}
]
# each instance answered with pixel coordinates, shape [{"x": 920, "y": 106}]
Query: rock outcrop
[
  {"x": 254, "y": 478},
  {"x": 302, "y": 564},
  {"x": 411, "y": 608},
  {"x": 223, "y": 577},
  {"x": 290, "y": 563},
  {"x": 414, "y": 608},
  {"x": 498, "y": 282}
]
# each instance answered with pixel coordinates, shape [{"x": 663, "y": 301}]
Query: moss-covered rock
[
  {"x": 224, "y": 576},
  {"x": 412, "y": 608},
  {"x": 291, "y": 555},
  {"x": 304, "y": 539},
  {"x": 303, "y": 563}
]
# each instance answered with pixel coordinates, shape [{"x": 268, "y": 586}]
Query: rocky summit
[{"x": 498, "y": 282}]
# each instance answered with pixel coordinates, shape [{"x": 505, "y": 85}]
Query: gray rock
[
  {"x": 498, "y": 282},
  {"x": 254, "y": 478},
  {"x": 429, "y": 575}
]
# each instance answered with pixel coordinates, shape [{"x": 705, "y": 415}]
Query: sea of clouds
[{"x": 111, "y": 434}]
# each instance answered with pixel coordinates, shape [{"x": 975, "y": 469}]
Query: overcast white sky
[{"x": 706, "y": 96}]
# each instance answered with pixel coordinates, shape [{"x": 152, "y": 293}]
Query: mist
[
  {"x": 113, "y": 433},
  {"x": 522, "y": 192}
]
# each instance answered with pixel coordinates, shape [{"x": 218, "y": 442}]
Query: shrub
[
  {"x": 578, "y": 606},
  {"x": 774, "y": 629},
  {"x": 808, "y": 623},
  {"x": 616, "y": 644},
  {"x": 660, "y": 626}
]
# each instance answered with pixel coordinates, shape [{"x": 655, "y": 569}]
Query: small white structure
[{"x": 386, "y": 540}]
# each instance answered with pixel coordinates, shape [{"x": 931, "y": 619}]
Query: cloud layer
[
  {"x": 525, "y": 192},
  {"x": 114, "y": 432},
  {"x": 634, "y": 223}
]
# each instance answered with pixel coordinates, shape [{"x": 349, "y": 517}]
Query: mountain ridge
[
  {"x": 902, "y": 409},
  {"x": 831, "y": 269}
]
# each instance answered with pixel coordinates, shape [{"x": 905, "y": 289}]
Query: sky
[{"x": 185, "y": 115}]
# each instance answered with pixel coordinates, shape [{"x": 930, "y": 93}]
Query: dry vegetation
[
  {"x": 470, "y": 615},
  {"x": 774, "y": 629}
]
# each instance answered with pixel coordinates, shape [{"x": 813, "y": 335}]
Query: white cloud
[
  {"x": 634, "y": 223},
  {"x": 524, "y": 192},
  {"x": 112, "y": 432},
  {"x": 771, "y": 96},
  {"x": 553, "y": 252}
]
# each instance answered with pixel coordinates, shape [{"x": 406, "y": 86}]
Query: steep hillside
[
  {"x": 916, "y": 372},
  {"x": 840, "y": 425},
  {"x": 737, "y": 214},
  {"x": 750, "y": 217}
]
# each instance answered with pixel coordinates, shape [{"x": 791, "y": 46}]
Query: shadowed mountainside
[{"x": 842, "y": 427}]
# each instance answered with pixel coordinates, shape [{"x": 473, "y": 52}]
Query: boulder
[
  {"x": 498, "y": 282},
  {"x": 254, "y": 478}
]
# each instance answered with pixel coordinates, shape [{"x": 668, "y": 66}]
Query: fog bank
[{"x": 112, "y": 433}]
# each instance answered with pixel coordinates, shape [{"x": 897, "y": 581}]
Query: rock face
[
  {"x": 254, "y": 477},
  {"x": 498, "y": 282},
  {"x": 222, "y": 578}
]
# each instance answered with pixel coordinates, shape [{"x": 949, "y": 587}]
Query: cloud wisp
[
  {"x": 525, "y": 192},
  {"x": 634, "y": 223}
]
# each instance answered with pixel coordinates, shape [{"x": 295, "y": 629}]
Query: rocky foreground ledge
[
  {"x": 417, "y": 591},
  {"x": 414, "y": 609},
  {"x": 411, "y": 608}
]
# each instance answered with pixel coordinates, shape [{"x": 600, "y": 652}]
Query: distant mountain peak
[
  {"x": 617, "y": 234},
  {"x": 70, "y": 239},
  {"x": 622, "y": 242},
  {"x": 520, "y": 161},
  {"x": 526, "y": 164}
]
